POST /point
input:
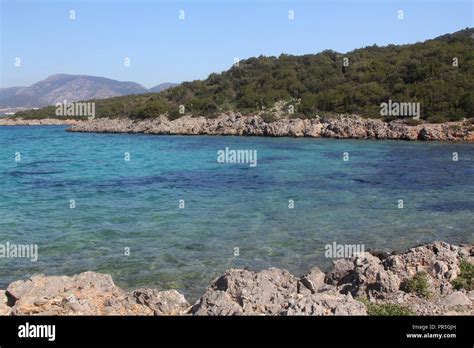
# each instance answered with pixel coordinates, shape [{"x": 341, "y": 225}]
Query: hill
[{"x": 437, "y": 73}]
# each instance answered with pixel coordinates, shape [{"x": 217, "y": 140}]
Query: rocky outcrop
[
  {"x": 342, "y": 127},
  {"x": 274, "y": 292},
  {"x": 88, "y": 293},
  {"x": 380, "y": 280},
  {"x": 375, "y": 277}
]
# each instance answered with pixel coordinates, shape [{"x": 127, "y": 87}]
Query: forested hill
[{"x": 437, "y": 73}]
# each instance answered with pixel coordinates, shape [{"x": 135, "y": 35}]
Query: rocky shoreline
[
  {"x": 6, "y": 121},
  {"x": 353, "y": 287},
  {"x": 341, "y": 127}
]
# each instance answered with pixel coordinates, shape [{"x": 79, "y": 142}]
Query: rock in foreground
[
  {"x": 350, "y": 288},
  {"x": 89, "y": 293}
]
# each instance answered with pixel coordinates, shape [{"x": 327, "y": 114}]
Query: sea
[{"x": 165, "y": 212}]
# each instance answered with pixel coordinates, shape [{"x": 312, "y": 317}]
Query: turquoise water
[{"x": 135, "y": 204}]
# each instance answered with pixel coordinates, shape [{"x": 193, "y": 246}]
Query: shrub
[
  {"x": 308, "y": 103},
  {"x": 385, "y": 309},
  {"x": 456, "y": 115},
  {"x": 418, "y": 284},
  {"x": 437, "y": 119},
  {"x": 174, "y": 114},
  {"x": 151, "y": 109},
  {"x": 465, "y": 279},
  {"x": 413, "y": 122},
  {"x": 268, "y": 117}
]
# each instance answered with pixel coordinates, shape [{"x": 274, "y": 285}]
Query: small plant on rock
[
  {"x": 385, "y": 309},
  {"x": 465, "y": 279},
  {"x": 418, "y": 284}
]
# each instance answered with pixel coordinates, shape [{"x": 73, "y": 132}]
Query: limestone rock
[
  {"x": 244, "y": 292},
  {"x": 341, "y": 273},
  {"x": 324, "y": 304},
  {"x": 169, "y": 302},
  {"x": 457, "y": 298},
  {"x": 268, "y": 292},
  {"x": 88, "y": 293},
  {"x": 341, "y": 127},
  {"x": 312, "y": 281},
  {"x": 5, "y": 309}
]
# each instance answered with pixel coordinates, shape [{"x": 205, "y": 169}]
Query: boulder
[
  {"x": 88, "y": 293},
  {"x": 241, "y": 291},
  {"x": 324, "y": 304},
  {"x": 5, "y": 309},
  {"x": 341, "y": 273},
  {"x": 455, "y": 299},
  {"x": 312, "y": 281},
  {"x": 169, "y": 302}
]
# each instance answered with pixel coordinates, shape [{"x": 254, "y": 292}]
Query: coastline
[
  {"x": 341, "y": 127},
  {"x": 6, "y": 121},
  {"x": 373, "y": 283}
]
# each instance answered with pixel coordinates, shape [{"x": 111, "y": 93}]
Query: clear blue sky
[{"x": 161, "y": 47}]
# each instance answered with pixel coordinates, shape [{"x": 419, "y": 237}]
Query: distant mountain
[
  {"x": 162, "y": 87},
  {"x": 57, "y": 88}
]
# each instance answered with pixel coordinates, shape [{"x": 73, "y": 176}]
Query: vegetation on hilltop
[{"x": 321, "y": 83}]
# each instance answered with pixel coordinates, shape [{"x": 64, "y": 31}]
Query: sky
[{"x": 162, "y": 47}]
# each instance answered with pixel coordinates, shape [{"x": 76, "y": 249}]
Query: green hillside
[{"x": 322, "y": 84}]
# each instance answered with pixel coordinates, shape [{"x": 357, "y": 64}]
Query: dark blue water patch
[
  {"x": 41, "y": 162},
  {"x": 20, "y": 173},
  {"x": 189, "y": 179},
  {"x": 362, "y": 181},
  {"x": 52, "y": 183},
  {"x": 270, "y": 159},
  {"x": 284, "y": 147},
  {"x": 450, "y": 207}
]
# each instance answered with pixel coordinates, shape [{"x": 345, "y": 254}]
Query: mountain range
[{"x": 59, "y": 87}]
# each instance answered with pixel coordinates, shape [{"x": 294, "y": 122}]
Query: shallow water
[{"x": 134, "y": 204}]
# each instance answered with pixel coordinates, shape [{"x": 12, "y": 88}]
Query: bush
[
  {"x": 151, "y": 109},
  {"x": 456, "y": 115},
  {"x": 268, "y": 117},
  {"x": 413, "y": 122},
  {"x": 465, "y": 279},
  {"x": 385, "y": 309},
  {"x": 308, "y": 103},
  {"x": 418, "y": 284},
  {"x": 174, "y": 114},
  {"x": 437, "y": 119}
]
